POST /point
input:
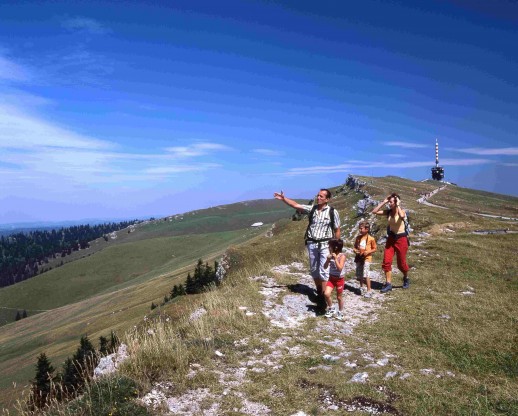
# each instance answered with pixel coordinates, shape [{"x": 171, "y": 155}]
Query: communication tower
[{"x": 437, "y": 171}]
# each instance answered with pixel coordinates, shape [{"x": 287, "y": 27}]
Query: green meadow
[{"x": 112, "y": 285}]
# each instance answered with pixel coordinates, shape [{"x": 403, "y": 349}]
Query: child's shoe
[
  {"x": 340, "y": 316},
  {"x": 368, "y": 294},
  {"x": 330, "y": 313},
  {"x": 363, "y": 290}
]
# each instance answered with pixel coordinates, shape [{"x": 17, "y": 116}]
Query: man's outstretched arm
[{"x": 280, "y": 196}]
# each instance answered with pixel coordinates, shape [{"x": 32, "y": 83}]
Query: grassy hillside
[
  {"x": 154, "y": 247},
  {"x": 112, "y": 285},
  {"x": 445, "y": 346}
]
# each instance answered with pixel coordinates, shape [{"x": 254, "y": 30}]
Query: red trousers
[{"x": 400, "y": 247}]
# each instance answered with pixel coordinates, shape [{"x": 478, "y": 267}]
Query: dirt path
[{"x": 424, "y": 198}]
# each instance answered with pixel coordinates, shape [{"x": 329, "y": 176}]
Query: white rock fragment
[
  {"x": 390, "y": 374},
  {"x": 359, "y": 378},
  {"x": 427, "y": 371},
  {"x": 329, "y": 357},
  {"x": 382, "y": 362},
  {"x": 110, "y": 363},
  {"x": 219, "y": 353},
  {"x": 197, "y": 314}
]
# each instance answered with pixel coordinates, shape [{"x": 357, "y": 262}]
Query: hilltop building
[{"x": 437, "y": 171}]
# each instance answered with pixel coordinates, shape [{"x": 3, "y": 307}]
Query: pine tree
[
  {"x": 208, "y": 276},
  {"x": 68, "y": 378},
  {"x": 42, "y": 385},
  {"x": 24, "y": 314},
  {"x": 190, "y": 285},
  {"x": 181, "y": 290},
  {"x": 198, "y": 276},
  {"x": 18, "y": 316},
  {"x": 83, "y": 363},
  {"x": 174, "y": 292},
  {"x": 103, "y": 345}
]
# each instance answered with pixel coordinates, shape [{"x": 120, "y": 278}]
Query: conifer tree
[
  {"x": 103, "y": 345},
  {"x": 24, "y": 314},
  {"x": 181, "y": 290},
  {"x": 18, "y": 316},
  {"x": 174, "y": 292},
  {"x": 191, "y": 285},
  {"x": 68, "y": 378},
  {"x": 42, "y": 384}
]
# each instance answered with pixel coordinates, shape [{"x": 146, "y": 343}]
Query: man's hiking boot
[
  {"x": 330, "y": 313},
  {"x": 340, "y": 316},
  {"x": 406, "y": 283},
  {"x": 387, "y": 287}
]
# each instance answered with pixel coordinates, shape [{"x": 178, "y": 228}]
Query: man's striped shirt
[{"x": 320, "y": 228}]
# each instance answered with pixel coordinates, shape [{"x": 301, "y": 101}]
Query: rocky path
[
  {"x": 424, "y": 198},
  {"x": 289, "y": 308}
]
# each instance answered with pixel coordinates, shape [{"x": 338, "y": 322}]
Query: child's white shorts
[{"x": 363, "y": 269}]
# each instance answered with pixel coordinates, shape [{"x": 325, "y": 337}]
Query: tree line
[
  {"x": 23, "y": 255},
  {"x": 203, "y": 278},
  {"x": 49, "y": 386}
]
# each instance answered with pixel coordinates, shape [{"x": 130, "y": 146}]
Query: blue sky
[{"x": 132, "y": 109}]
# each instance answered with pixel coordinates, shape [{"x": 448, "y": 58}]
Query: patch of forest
[{"x": 22, "y": 255}]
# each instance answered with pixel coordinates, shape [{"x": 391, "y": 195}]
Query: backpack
[
  {"x": 406, "y": 221},
  {"x": 312, "y": 214}
]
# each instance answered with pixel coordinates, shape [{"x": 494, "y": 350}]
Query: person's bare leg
[{"x": 327, "y": 296}]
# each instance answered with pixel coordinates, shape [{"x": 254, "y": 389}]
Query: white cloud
[
  {"x": 267, "y": 152},
  {"x": 406, "y": 145},
  {"x": 12, "y": 72},
  {"x": 382, "y": 165},
  {"x": 85, "y": 25},
  {"x": 196, "y": 149},
  {"x": 41, "y": 153},
  {"x": 502, "y": 151},
  {"x": 168, "y": 170},
  {"x": 19, "y": 130}
]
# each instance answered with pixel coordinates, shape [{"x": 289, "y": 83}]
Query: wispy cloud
[
  {"x": 11, "y": 71},
  {"x": 405, "y": 145},
  {"x": 357, "y": 165},
  {"x": 510, "y": 164},
  {"x": 19, "y": 130},
  {"x": 196, "y": 149},
  {"x": 85, "y": 25},
  {"x": 267, "y": 152},
  {"x": 502, "y": 151},
  {"x": 168, "y": 170}
]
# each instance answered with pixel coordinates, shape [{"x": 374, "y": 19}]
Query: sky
[{"x": 136, "y": 109}]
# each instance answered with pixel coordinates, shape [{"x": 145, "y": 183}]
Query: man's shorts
[
  {"x": 317, "y": 258},
  {"x": 363, "y": 269},
  {"x": 337, "y": 282}
]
